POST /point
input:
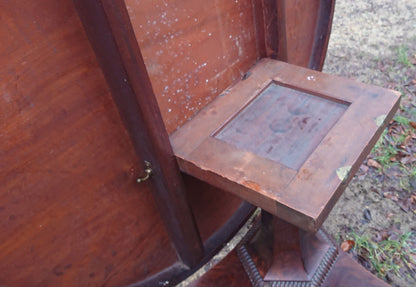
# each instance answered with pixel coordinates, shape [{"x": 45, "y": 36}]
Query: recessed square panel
[{"x": 282, "y": 124}]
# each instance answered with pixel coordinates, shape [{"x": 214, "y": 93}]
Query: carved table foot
[{"x": 277, "y": 254}]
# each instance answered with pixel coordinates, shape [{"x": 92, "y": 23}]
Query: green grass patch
[
  {"x": 402, "y": 56},
  {"x": 388, "y": 255}
]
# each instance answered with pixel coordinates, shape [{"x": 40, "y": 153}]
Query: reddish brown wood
[
  {"x": 339, "y": 269},
  {"x": 228, "y": 229},
  {"x": 126, "y": 74},
  {"x": 66, "y": 158},
  {"x": 280, "y": 252},
  {"x": 193, "y": 50},
  {"x": 210, "y": 206},
  {"x": 272, "y": 38},
  {"x": 304, "y": 192},
  {"x": 286, "y": 262},
  {"x": 322, "y": 32},
  {"x": 348, "y": 272},
  {"x": 228, "y": 273},
  {"x": 72, "y": 213},
  {"x": 259, "y": 26},
  {"x": 196, "y": 49},
  {"x": 297, "y": 20},
  {"x": 303, "y": 28}
]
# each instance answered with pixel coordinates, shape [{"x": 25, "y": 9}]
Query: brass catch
[{"x": 148, "y": 172}]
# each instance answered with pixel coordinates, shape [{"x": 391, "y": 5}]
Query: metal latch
[{"x": 148, "y": 172}]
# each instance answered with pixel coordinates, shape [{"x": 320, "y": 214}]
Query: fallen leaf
[
  {"x": 413, "y": 124},
  {"x": 373, "y": 189},
  {"x": 373, "y": 163},
  {"x": 347, "y": 245},
  {"x": 390, "y": 196},
  {"x": 393, "y": 235},
  {"x": 381, "y": 235},
  {"x": 367, "y": 214},
  {"x": 408, "y": 159},
  {"x": 364, "y": 168},
  {"x": 413, "y": 60},
  {"x": 362, "y": 172},
  {"x": 405, "y": 205}
]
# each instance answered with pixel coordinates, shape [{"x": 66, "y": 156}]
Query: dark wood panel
[
  {"x": 211, "y": 207},
  {"x": 228, "y": 273},
  {"x": 110, "y": 32},
  {"x": 297, "y": 20},
  {"x": 303, "y": 29},
  {"x": 193, "y": 50},
  {"x": 287, "y": 135},
  {"x": 322, "y": 33},
  {"x": 72, "y": 212},
  {"x": 272, "y": 38}
]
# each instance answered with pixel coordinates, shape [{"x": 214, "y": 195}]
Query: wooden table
[{"x": 288, "y": 140}]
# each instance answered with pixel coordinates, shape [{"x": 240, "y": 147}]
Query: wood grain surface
[
  {"x": 68, "y": 157},
  {"x": 193, "y": 50},
  {"x": 123, "y": 67},
  {"x": 297, "y": 20},
  {"x": 72, "y": 212}
]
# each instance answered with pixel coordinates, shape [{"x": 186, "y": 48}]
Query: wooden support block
[{"x": 285, "y": 138}]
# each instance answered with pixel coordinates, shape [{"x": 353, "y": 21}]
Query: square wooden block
[{"x": 285, "y": 138}]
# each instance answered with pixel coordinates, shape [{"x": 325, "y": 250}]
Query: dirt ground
[{"x": 375, "y": 42}]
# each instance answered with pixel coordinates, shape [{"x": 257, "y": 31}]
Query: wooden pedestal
[{"x": 277, "y": 254}]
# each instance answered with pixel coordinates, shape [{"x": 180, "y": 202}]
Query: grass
[
  {"x": 393, "y": 254},
  {"x": 391, "y": 144},
  {"x": 385, "y": 150},
  {"x": 402, "y": 120},
  {"x": 402, "y": 56},
  {"x": 388, "y": 255}
]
